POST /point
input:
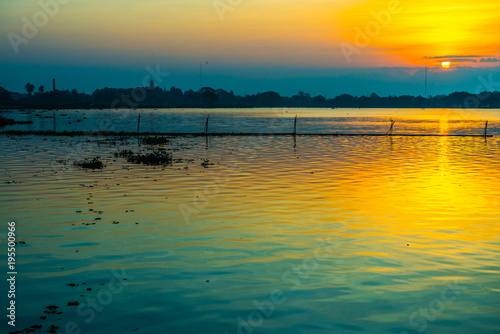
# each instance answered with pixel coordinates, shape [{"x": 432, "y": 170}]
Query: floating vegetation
[
  {"x": 206, "y": 163},
  {"x": 154, "y": 140},
  {"x": 95, "y": 163},
  {"x": 155, "y": 158},
  {"x": 9, "y": 121},
  {"x": 51, "y": 309},
  {"x": 124, "y": 154}
]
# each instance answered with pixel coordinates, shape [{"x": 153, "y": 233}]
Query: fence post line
[
  {"x": 206, "y": 125},
  {"x": 295, "y": 126}
]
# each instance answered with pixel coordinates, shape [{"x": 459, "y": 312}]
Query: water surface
[{"x": 337, "y": 234}]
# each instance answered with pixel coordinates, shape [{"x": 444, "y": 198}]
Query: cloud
[
  {"x": 454, "y": 57},
  {"x": 467, "y": 58},
  {"x": 490, "y": 60},
  {"x": 462, "y": 60}
]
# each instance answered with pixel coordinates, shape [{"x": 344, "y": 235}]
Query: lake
[
  {"x": 256, "y": 234},
  {"x": 269, "y": 120}
]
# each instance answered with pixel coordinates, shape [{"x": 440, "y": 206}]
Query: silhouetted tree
[
  {"x": 209, "y": 97},
  {"x": 41, "y": 89},
  {"x": 29, "y": 88},
  {"x": 268, "y": 99},
  {"x": 4, "y": 95}
]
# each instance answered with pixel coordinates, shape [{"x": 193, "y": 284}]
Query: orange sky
[
  {"x": 290, "y": 32},
  {"x": 417, "y": 32},
  {"x": 255, "y": 39}
]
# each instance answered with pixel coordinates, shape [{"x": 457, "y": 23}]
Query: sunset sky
[{"x": 253, "y": 45}]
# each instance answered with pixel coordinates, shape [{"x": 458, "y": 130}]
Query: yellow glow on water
[{"x": 395, "y": 214}]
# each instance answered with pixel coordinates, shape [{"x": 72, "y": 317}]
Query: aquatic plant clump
[
  {"x": 9, "y": 121},
  {"x": 155, "y": 158},
  {"x": 95, "y": 163}
]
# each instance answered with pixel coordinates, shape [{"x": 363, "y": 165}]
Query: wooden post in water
[
  {"x": 206, "y": 125},
  {"x": 391, "y": 128},
  {"x": 54, "y": 119},
  {"x": 486, "y": 130},
  {"x": 295, "y": 126},
  {"x": 295, "y": 133},
  {"x": 139, "y": 124}
]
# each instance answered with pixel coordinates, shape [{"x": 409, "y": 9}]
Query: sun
[{"x": 446, "y": 64}]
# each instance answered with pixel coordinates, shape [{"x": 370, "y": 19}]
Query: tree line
[{"x": 207, "y": 97}]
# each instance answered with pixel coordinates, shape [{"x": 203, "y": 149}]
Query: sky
[{"x": 321, "y": 47}]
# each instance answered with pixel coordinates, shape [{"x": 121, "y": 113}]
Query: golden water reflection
[{"x": 395, "y": 219}]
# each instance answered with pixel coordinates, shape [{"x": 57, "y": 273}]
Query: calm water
[
  {"x": 337, "y": 235},
  {"x": 273, "y": 120}
]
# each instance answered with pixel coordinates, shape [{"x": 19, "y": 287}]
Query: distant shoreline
[
  {"x": 209, "y": 98},
  {"x": 51, "y": 108}
]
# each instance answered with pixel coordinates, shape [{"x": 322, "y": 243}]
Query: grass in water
[
  {"x": 95, "y": 163},
  {"x": 155, "y": 158}
]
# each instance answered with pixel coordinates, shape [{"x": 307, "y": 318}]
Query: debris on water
[
  {"x": 95, "y": 163},
  {"x": 53, "y": 329},
  {"x": 155, "y": 158},
  {"x": 8, "y": 121},
  {"x": 206, "y": 163},
  {"x": 75, "y": 303},
  {"x": 51, "y": 309}
]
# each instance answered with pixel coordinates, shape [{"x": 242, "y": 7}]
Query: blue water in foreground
[{"x": 257, "y": 234}]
